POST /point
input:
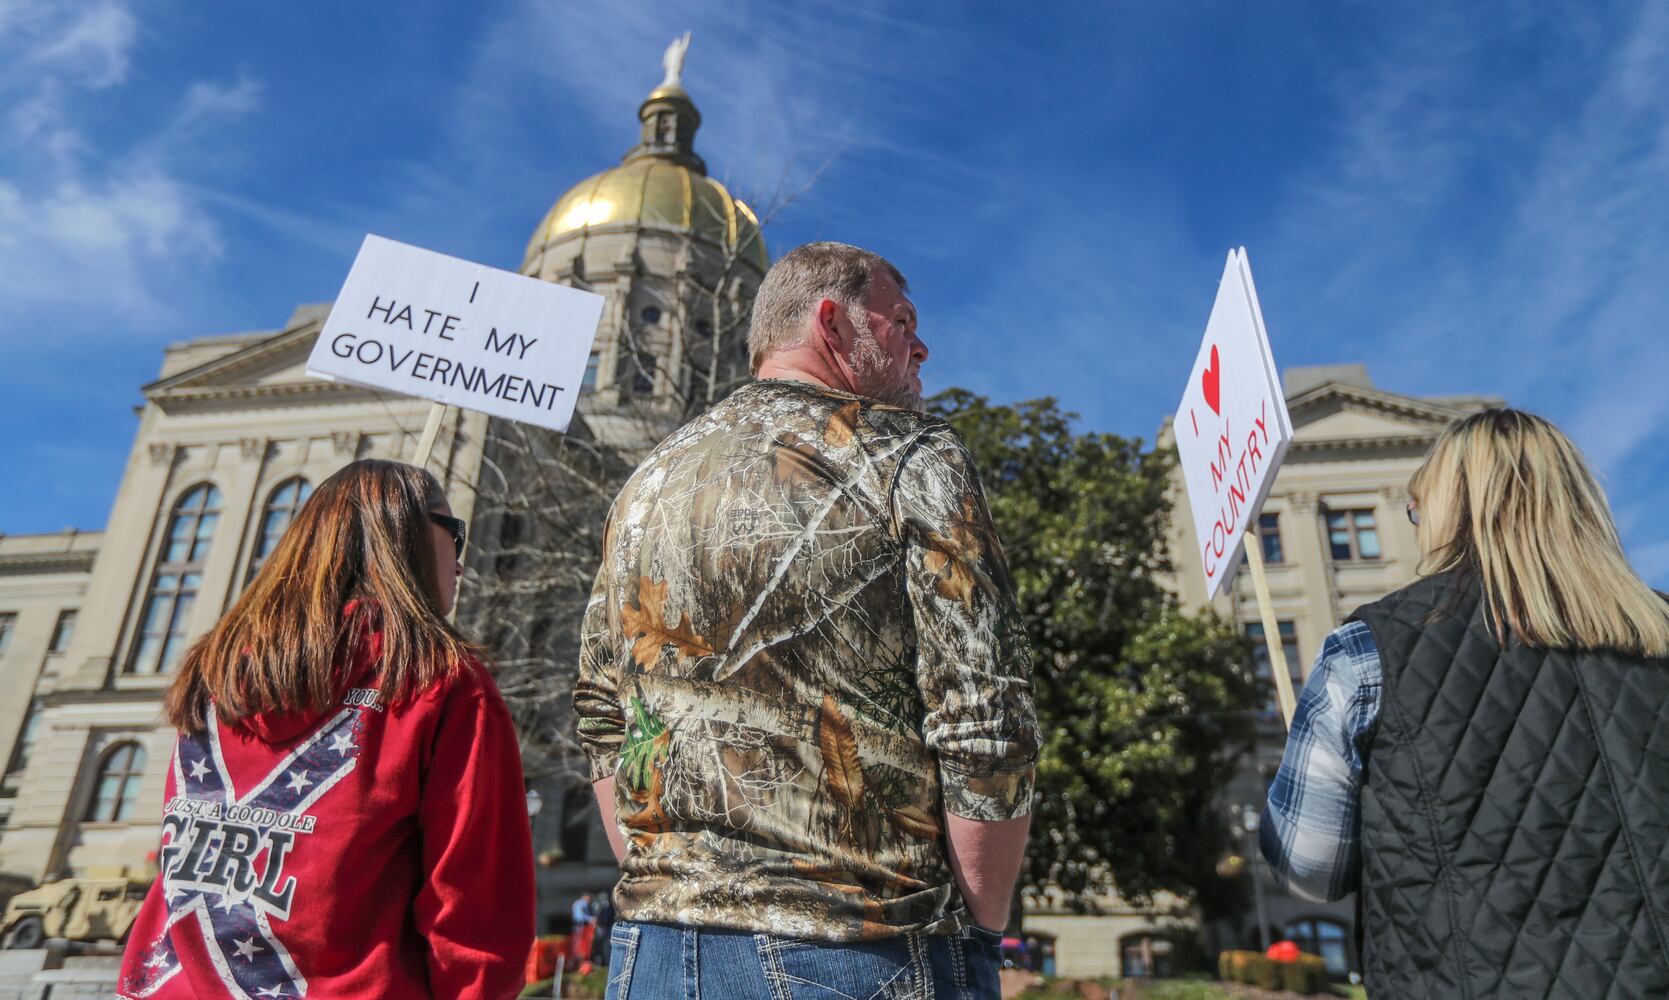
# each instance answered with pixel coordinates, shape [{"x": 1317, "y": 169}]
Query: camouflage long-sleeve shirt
[{"x": 803, "y": 650}]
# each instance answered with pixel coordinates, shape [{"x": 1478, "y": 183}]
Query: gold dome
[
  {"x": 661, "y": 184},
  {"x": 654, "y": 192}
]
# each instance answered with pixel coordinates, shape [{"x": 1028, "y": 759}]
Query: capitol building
[{"x": 232, "y": 436}]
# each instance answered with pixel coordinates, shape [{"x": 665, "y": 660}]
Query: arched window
[
  {"x": 120, "y": 772},
  {"x": 282, "y": 504},
  {"x": 161, "y": 637},
  {"x": 1324, "y": 937}
]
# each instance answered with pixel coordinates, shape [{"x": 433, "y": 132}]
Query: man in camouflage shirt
[{"x": 804, "y": 684}]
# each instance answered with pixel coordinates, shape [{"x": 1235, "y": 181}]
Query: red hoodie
[{"x": 373, "y": 851}]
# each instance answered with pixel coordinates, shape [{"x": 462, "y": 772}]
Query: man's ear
[{"x": 828, "y": 325}]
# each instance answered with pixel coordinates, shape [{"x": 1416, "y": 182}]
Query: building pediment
[
  {"x": 1337, "y": 414},
  {"x": 258, "y": 374}
]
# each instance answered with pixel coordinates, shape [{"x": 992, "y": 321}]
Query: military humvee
[{"x": 76, "y": 909}]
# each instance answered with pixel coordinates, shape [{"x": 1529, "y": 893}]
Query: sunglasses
[
  {"x": 1413, "y": 514},
  {"x": 455, "y": 526}
]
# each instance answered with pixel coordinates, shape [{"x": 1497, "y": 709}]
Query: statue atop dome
[{"x": 673, "y": 60}]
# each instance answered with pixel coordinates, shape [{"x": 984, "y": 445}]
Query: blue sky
[{"x": 1468, "y": 200}]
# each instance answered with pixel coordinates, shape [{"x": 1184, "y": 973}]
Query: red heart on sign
[{"x": 1210, "y": 383}]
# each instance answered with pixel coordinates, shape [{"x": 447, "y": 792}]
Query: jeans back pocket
[{"x": 622, "y": 941}]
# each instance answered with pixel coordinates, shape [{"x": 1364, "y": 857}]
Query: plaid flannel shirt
[{"x": 1311, "y": 830}]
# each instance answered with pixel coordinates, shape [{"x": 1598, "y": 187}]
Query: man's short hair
[{"x": 804, "y": 277}]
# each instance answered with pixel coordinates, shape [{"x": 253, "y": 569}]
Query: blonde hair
[{"x": 1506, "y": 495}]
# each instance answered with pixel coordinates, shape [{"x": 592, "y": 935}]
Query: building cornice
[
  {"x": 1374, "y": 401},
  {"x": 107, "y": 695},
  {"x": 35, "y": 563},
  {"x": 1384, "y": 442},
  {"x": 217, "y": 396}
]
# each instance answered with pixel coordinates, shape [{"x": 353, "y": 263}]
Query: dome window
[{"x": 651, "y": 314}]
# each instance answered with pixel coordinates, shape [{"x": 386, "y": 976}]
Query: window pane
[
  {"x": 1261, "y": 665},
  {"x": 156, "y": 611},
  {"x": 6, "y": 622},
  {"x": 104, "y": 803},
  {"x": 26, "y": 738},
  {"x": 182, "y": 615},
  {"x": 1336, "y": 521},
  {"x": 1367, "y": 542},
  {"x": 1272, "y": 549},
  {"x": 177, "y": 550},
  {"x": 1339, "y": 541},
  {"x": 205, "y": 535},
  {"x": 1364, "y": 519},
  {"x": 62, "y": 632},
  {"x": 1333, "y": 955},
  {"x": 643, "y": 375},
  {"x": 145, "y": 660},
  {"x": 172, "y": 647},
  {"x": 130, "y": 795}
]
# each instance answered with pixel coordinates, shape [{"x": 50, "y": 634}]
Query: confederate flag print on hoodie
[{"x": 373, "y": 851}]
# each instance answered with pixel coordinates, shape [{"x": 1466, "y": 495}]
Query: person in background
[
  {"x": 584, "y": 929},
  {"x": 805, "y": 686},
  {"x": 345, "y": 812},
  {"x": 1484, "y": 755},
  {"x": 602, "y": 920}
]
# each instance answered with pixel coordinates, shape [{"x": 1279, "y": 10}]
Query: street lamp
[
  {"x": 1249, "y": 823},
  {"x": 535, "y": 802}
]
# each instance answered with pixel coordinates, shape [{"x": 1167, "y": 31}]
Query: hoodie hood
[{"x": 287, "y": 726}]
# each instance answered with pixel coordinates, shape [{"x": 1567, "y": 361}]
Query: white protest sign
[
  {"x": 1232, "y": 428},
  {"x": 421, "y": 323}
]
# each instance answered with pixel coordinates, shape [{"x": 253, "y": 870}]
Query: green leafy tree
[{"x": 1145, "y": 710}]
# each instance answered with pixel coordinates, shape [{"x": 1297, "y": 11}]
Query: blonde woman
[{"x": 1484, "y": 754}]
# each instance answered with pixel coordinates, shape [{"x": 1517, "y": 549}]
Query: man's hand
[{"x": 986, "y": 859}]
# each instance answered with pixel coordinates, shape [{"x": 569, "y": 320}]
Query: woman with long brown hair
[
  {"x": 345, "y": 810},
  {"x": 1484, "y": 755}
]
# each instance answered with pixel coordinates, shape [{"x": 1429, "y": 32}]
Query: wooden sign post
[{"x": 431, "y": 430}]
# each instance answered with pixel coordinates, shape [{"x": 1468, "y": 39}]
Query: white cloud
[
  {"x": 111, "y": 232},
  {"x": 93, "y": 46},
  {"x": 94, "y": 245},
  {"x": 1508, "y": 230},
  {"x": 206, "y": 99}
]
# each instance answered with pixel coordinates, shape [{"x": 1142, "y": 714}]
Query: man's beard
[{"x": 878, "y": 375}]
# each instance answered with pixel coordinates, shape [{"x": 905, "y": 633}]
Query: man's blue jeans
[{"x": 662, "y": 962}]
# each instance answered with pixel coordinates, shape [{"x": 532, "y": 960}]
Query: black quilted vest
[{"x": 1515, "y": 817}]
